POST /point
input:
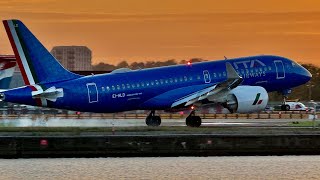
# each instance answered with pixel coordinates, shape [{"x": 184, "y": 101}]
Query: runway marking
[{"x": 227, "y": 123}]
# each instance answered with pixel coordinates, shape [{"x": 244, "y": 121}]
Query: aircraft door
[
  {"x": 92, "y": 92},
  {"x": 206, "y": 76},
  {"x": 279, "y": 69}
]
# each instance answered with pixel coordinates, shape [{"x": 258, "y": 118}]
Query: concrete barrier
[{"x": 157, "y": 145}]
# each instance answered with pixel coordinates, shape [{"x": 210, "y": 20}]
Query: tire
[
  {"x": 197, "y": 121},
  {"x": 153, "y": 121},
  {"x": 193, "y": 121},
  {"x": 149, "y": 121},
  {"x": 156, "y": 120},
  {"x": 287, "y": 107}
]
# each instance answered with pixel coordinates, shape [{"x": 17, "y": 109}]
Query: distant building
[{"x": 73, "y": 58}]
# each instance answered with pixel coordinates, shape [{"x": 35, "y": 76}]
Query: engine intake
[{"x": 247, "y": 99}]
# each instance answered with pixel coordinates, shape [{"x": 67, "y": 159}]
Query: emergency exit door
[
  {"x": 92, "y": 92},
  {"x": 279, "y": 69}
]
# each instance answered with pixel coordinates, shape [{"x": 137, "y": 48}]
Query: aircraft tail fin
[
  {"x": 7, "y": 67},
  {"x": 36, "y": 63}
]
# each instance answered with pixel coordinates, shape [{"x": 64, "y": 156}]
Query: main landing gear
[
  {"x": 193, "y": 120},
  {"x": 153, "y": 120}
]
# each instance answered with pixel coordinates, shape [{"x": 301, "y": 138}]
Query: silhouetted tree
[
  {"x": 103, "y": 67},
  {"x": 123, "y": 64}
]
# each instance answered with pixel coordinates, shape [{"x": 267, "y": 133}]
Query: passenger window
[
  {"x": 123, "y": 86},
  {"x": 108, "y": 88},
  {"x": 113, "y": 88},
  {"x": 224, "y": 73},
  {"x": 142, "y": 84},
  {"x": 269, "y": 68},
  {"x": 118, "y": 87},
  {"x": 161, "y": 81},
  {"x": 147, "y": 83},
  {"x": 152, "y": 83},
  {"x": 166, "y": 81},
  {"x": 181, "y": 79},
  {"x": 138, "y": 85},
  {"x": 128, "y": 86},
  {"x": 157, "y": 82},
  {"x": 171, "y": 80},
  {"x": 102, "y": 88},
  {"x": 190, "y": 78},
  {"x": 175, "y": 79},
  {"x": 198, "y": 77},
  {"x": 133, "y": 86},
  {"x": 185, "y": 78}
]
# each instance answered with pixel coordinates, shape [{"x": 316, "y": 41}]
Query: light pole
[
  {"x": 310, "y": 86},
  {"x": 314, "y": 114}
]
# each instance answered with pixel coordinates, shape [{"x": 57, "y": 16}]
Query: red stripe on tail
[{"x": 15, "y": 50}]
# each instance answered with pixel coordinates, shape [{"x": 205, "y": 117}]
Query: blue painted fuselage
[{"x": 158, "y": 88}]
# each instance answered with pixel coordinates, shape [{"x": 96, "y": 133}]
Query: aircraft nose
[{"x": 305, "y": 74}]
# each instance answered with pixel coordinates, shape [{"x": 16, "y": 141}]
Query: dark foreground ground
[{"x": 46, "y": 142}]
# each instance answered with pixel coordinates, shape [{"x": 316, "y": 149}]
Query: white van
[{"x": 297, "y": 106}]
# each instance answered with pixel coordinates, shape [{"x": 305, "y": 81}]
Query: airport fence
[{"x": 262, "y": 115}]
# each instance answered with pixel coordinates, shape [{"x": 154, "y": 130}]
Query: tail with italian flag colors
[{"x": 36, "y": 64}]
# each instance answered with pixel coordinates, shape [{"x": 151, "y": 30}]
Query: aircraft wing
[{"x": 216, "y": 91}]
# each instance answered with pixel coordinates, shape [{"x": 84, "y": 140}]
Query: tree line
[{"x": 306, "y": 92}]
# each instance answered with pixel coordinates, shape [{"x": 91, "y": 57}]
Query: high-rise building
[{"x": 73, "y": 58}]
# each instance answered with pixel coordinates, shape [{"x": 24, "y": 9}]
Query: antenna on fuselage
[{"x": 225, "y": 58}]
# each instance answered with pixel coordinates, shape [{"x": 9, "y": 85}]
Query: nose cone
[{"x": 305, "y": 75}]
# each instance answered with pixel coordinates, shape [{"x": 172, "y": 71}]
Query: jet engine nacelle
[{"x": 247, "y": 99}]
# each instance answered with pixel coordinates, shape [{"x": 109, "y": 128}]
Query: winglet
[
  {"x": 233, "y": 76},
  {"x": 231, "y": 72}
]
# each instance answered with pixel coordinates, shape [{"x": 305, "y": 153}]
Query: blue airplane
[{"x": 241, "y": 85}]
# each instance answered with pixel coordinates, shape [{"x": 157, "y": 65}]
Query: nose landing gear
[{"x": 153, "y": 120}]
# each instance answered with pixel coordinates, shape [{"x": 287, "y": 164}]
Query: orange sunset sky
[{"x": 142, "y": 30}]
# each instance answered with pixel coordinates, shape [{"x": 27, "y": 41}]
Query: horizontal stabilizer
[{"x": 51, "y": 94}]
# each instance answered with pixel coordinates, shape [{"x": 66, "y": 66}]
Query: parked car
[{"x": 294, "y": 106}]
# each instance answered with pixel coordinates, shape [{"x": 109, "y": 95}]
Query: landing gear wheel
[
  {"x": 193, "y": 121},
  {"x": 153, "y": 120},
  {"x": 285, "y": 107}
]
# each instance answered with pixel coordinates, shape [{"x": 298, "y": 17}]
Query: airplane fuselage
[{"x": 158, "y": 88}]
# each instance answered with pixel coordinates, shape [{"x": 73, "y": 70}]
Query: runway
[{"x": 43, "y": 121}]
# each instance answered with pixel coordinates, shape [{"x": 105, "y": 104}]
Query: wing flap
[{"x": 220, "y": 89}]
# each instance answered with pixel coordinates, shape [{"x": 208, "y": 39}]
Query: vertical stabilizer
[
  {"x": 7, "y": 67},
  {"x": 36, "y": 63}
]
